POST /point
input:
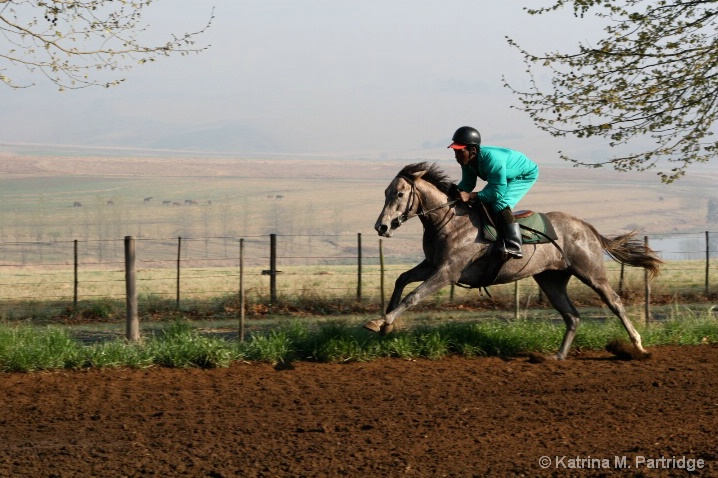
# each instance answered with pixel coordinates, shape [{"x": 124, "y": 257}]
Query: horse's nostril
[{"x": 382, "y": 229}]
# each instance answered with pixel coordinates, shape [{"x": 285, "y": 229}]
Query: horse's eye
[{"x": 401, "y": 195}]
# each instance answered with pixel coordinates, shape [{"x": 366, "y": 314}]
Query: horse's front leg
[
  {"x": 419, "y": 273},
  {"x": 437, "y": 280}
]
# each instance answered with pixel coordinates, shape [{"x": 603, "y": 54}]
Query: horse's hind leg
[
  {"x": 603, "y": 288},
  {"x": 554, "y": 285}
]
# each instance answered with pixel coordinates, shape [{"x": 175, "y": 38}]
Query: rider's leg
[{"x": 511, "y": 233}]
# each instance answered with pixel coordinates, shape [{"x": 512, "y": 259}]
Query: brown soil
[{"x": 455, "y": 417}]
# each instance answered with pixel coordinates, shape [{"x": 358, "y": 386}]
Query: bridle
[{"x": 406, "y": 215}]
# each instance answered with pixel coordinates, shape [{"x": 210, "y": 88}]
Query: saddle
[{"x": 536, "y": 227}]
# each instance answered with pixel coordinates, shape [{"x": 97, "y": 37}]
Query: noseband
[{"x": 410, "y": 203}]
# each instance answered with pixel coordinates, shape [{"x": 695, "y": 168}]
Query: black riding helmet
[{"x": 465, "y": 136}]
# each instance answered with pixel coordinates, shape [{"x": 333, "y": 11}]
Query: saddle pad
[{"x": 530, "y": 221}]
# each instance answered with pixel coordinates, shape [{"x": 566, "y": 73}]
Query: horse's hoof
[
  {"x": 374, "y": 326},
  {"x": 540, "y": 358},
  {"x": 379, "y": 326},
  {"x": 624, "y": 351}
]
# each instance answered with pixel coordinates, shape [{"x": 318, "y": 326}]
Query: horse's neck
[
  {"x": 430, "y": 197},
  {"x": 445, "y": 220},
  {"x": 434, "y": 203}
]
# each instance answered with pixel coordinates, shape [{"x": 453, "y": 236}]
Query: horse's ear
[{"x": 418, "y": 174}]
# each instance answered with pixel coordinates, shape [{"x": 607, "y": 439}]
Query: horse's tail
[{"x": 627, "y": 249}]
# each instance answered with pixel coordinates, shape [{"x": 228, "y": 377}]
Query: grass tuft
[
  {"x": 27, "y": 349},
  {"x": 179, "y": 344}
]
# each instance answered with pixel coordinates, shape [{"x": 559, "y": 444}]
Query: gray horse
[{"x": 455, "y": 253}]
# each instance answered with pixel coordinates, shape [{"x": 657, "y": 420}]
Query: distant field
[{"x": 231, "y": 198}]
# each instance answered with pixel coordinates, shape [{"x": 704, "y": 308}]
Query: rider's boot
[
  {"x": 512, "y": 240},
  {"x": 511, "y": 232}
]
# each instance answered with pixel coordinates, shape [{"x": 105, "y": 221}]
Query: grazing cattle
[
  {"x": 209, "y": 202},
  {"x": 175, "y": 203},
  {"x": 110, "y": 202},
  {"x": 148, "y": 199},
  {"x": 166, "y": 203},
  {"x": 77, "y": 204},
  {"x": 191, "y": 202},
  {"x": 279, "y": 196}
]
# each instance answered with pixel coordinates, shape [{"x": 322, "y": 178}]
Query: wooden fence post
[
  {"x": 241, "y": 290},
  {"x": 133, "y": 322},
  {"x": 273, "y": 267},
  {"x": 179, "y": 259},
  {"x": 708, "y": 264},
  {"x": 76, "y": 281},
  {"x": 359, "y": 269},
  {"x": 272, "y": 271}
]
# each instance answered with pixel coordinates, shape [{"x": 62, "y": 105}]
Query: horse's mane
[{"x": 433, "y": 175}]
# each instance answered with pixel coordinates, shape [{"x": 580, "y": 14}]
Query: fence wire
[{"x": 201, "y": 268}]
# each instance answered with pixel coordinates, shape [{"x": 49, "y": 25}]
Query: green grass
[{"x": 181, "y": 344}]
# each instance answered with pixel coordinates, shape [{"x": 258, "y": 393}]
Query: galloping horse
[{"x": 456, "y": 253}]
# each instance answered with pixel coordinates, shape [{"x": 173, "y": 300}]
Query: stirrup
[
  {"x": 512, "y": 255},
  {"x": 507, "y": 253}
]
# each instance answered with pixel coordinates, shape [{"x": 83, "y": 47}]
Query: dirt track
[{"x": 455, "y": 417}]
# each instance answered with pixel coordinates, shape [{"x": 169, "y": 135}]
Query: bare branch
[
  {"x": 71, "y": 42},
  {"x": 654, "y": 74}
]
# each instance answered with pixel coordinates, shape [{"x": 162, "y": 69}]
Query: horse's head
[{"x": 400, "y": 200}]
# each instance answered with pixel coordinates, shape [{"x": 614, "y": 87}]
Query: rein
[{"x": 421, "y": 212}]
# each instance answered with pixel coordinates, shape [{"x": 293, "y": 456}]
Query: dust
[{"x": 622, "y": 350}]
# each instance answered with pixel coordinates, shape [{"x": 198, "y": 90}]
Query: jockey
[{"x": 508, "y": 173}]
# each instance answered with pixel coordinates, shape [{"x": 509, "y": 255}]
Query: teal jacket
[{"x": 508, "y": 174}]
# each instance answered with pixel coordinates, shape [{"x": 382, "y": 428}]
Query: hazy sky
[{"x": 366, "y": 79}]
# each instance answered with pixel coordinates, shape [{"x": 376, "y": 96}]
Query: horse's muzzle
[
  {"x": 383, "y": 230},
  {"x": 386, "y": 230}
]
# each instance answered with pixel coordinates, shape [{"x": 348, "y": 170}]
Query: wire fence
[{"x": 325, "y": 266}]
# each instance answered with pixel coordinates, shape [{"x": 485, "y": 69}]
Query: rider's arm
[{"x": 468, "y": 179}]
